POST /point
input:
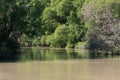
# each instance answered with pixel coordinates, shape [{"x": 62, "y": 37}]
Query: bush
[
  {"x": 50, "y": 40},
  {"x": 81, "y": 45},
  {"x": 61, "y": 35},
  {"x": 70, "y": 45},
  {"x": 43, "y": 40}
]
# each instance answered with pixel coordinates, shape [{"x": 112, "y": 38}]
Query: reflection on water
[
  {"x": 50, "y": 54},
  {"x": 57, "y": 54},
  {"x": 51, "y": 64}
]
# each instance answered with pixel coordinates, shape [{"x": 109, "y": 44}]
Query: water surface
[
  {"x": 54, "y": 65},
  {"x": 46, "y": 54}
]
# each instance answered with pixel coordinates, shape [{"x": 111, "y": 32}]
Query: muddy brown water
[
  {"x": 95, "y": 69},
  {"x": 47, "y": 64}
]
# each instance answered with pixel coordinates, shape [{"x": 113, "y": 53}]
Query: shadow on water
[
  {"x": 102, "y": 55},
  {"x": 43, "y": 54},
  {"x": 10, "y": 56}
]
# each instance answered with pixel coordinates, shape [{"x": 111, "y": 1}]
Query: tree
[
  {"x": 34, "y": 17},
  {"x": 12, "y": 25},
  {"x": 19, "y": 17},
  {"x": 67, "y": 13},
  {"x": 104, "y": 33}
]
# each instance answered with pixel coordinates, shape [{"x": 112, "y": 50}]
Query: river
[{"x": 57, "y": 64}]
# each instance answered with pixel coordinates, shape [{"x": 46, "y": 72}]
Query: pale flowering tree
[{"x": 104, "y": 29}]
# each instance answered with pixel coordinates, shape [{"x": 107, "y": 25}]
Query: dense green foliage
[
  {"x": 64, "y": 22},
  {"x": 60, "y": 23},
  {"x": 12, "y": 23}
]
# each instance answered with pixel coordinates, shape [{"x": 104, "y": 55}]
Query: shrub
[
  {"x": 43, "y": 40},
  {"x": 69, "y": 45},
  {"x": 61, "y": 35},
  {"x": 81, "y": 45}
]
